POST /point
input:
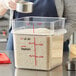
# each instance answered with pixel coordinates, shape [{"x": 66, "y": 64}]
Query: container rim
[
  {"x": 60, "y": 18},
  {"x": 23, "y": 2}
]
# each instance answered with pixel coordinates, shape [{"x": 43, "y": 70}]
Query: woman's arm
[{"x": 70, "y": 15}]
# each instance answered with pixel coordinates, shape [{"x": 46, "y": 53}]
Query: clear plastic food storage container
[{"x": 38, "y": 42}]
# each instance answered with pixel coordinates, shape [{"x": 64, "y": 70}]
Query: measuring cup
[{"x": 24, "y": 6}]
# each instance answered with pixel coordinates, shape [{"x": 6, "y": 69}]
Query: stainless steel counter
[{"x": 10, "y": 70}]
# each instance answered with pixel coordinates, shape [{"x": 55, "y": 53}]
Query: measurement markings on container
[
  {"x": 28, "y": 23},
  {"x": 36, "y": 56},
  {"x": 33, "y": 28},
  {"x": 23, "y": 47},
  {"x": 35, "y": 50},
  {"x": 39, "y": 24},
  {"x": 35, "y": 47},
  {"x": 25, "y": 38},
  {"x": 21, "y": 38}
]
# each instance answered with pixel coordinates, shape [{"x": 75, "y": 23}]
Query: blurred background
[{"x": 4, "y": 26}]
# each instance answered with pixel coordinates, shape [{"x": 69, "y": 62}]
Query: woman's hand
[
  {"x": 12, "y": 4},
  {"x": 7, "y": 4}
]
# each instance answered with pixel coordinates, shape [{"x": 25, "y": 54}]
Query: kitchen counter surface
[{"x": 10, "y": 70}]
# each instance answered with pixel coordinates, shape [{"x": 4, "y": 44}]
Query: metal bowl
[{"x": 24, "y": 7}]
